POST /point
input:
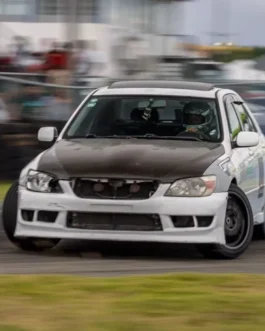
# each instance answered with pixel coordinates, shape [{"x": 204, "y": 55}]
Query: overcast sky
[{"x": 242, "y": 20}]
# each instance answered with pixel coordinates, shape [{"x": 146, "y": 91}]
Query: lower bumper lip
[{"x": 214, "y": 205}]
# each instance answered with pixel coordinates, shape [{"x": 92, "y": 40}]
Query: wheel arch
[
  {"x": 243, "y": 200},
  {"x": 222, "y": 251},
  {"x": 234, "y": 181}
]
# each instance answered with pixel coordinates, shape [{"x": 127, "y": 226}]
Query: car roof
[
  {"x": 163, "y": 84},
  {"x": 155, "y": 87}
]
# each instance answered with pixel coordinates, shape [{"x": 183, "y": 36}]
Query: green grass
[
  {"x": 4, "y": 186},
  {"x": 154, "y": 303}
]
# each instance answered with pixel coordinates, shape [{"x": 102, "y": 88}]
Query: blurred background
[{"x": 53, "y": 52}]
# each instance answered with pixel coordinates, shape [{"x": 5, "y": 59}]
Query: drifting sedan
[{"x": 146, "y": 161}]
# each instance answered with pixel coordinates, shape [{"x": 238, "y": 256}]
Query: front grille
[
  {"x": 114, "y": 189},
  {"x": 115, "y": 222}
]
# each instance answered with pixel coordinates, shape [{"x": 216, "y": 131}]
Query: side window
[
  {"x": 233, "y": 120},
  {"x": 247, "y": 122}
]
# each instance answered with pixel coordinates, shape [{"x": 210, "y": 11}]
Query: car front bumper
[{"x": 165, "y": 207}]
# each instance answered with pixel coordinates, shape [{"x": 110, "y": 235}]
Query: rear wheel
[
  {"x": 9, "y": 217},
  {"x": 238, "y": 229}
]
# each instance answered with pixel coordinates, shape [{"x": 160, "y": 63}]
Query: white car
[{"x": 146, "y": 161}]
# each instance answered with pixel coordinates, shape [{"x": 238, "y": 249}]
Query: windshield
[{"x": 147, "y": 117}]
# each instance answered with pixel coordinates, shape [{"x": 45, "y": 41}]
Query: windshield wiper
[
  {"x": 189, "y": 138},
  {"x": 91, "y": 135},
  {"x": 153, "y": 136},
  {"x": 146, "y": 136}
]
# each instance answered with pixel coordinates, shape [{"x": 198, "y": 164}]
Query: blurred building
[
  {"x": 139, "y": 28},
  {"x": 45, "y": 19}
]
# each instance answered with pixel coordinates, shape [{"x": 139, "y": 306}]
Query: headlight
[
  {"x": 41, "y": 182},
  {"x": 192, "y": 187}
]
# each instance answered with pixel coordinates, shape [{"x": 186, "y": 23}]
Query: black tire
[
  {"x": 9, "y": 218},
  {"x": 237, "y": 199}
]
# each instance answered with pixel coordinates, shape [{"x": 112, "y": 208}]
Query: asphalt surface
[{"x": 108, "y": 259}]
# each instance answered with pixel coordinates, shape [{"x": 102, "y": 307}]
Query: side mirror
[
  {"x": 47, "y": 136},
  {"x": 247, "y": 139}
]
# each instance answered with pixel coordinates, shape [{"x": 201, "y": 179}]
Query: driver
[{"x": 198, "y": 117}]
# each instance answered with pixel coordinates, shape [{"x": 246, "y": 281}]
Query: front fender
[
  {"x": 32, "y": 165},
  {"x": 225, "y": 172}
]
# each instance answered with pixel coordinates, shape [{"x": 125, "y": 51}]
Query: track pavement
[{"x": 108, "y": 259}]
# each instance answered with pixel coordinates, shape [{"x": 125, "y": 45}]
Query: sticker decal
[
  {"x": 227, "y": 167},
  {"x": 261, "y": 178},
  {"x": 92, "y": 103}
]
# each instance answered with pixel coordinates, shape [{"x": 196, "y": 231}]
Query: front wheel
[
  {"x": 9, "y": 217},
  {"x": 239, "y": 227}
]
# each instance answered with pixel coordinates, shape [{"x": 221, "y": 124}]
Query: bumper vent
[
  {"x": 188, "y": 221},
  {"x": 115, "y": 222},
  {"x": 47, "y": 216},
  {"x": 183, "y": 221},
  {"x": 27, "y": 215},
  {"x": 204, "y": 221}
]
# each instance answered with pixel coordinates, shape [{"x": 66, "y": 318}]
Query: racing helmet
[{"x": 197, "y": 115}]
